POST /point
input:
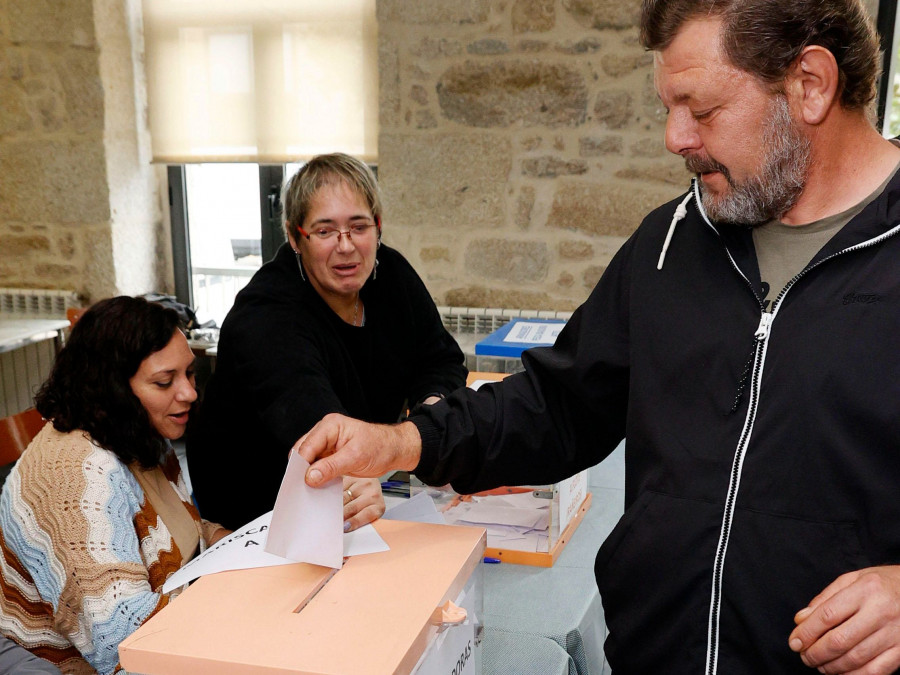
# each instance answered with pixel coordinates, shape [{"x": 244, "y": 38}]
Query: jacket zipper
[
  {"x": 761, "y": 335},
  {"x": 712, "y": 645}
]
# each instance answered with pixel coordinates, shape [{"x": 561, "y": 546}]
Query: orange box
[{"x": 375, "y": 616}]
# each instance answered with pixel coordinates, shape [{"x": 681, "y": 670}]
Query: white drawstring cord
[{"x": 680, "y": 213}]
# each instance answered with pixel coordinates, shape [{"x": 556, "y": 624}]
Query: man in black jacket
[{"x": 743, "y": 342}]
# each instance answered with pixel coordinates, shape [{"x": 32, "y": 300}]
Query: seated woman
[
  {"x": 95, "y": 515},
  {"x": 336, "y": 322}
]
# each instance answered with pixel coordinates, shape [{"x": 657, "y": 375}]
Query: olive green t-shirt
[{"x": 784, "y": 250}]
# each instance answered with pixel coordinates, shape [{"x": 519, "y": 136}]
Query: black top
[
  {"x": 761, "y": 457},
  {"x": 285, "y": 360}
]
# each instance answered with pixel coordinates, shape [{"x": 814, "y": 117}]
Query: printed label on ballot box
[
  {"x": 454, "y": 653},
  {"x": 572, "y": 492}
]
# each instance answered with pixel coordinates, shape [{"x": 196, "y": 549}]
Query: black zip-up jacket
[{"x": 762, "y": 451}]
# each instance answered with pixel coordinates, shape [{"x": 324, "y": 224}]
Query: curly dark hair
[
  {"x": 89, "y": 387},
  {"x": 765, "y": 37}
]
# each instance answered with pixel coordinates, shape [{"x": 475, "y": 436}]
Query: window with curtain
[
  {"x": 265, "y": 81},
  {"x": 237, "y": 89}
]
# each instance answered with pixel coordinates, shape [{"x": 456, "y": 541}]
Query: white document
[
  {"x": 534, "y": 332},
  {"x": 483, "y": 514},
  {"x": 419, "y": 508},
  {"x": 246, "y": 548},
  {"x": 242, "y": 549},
  {"x": 515, "y": 521},
  {"x": 307, "y": 523}
]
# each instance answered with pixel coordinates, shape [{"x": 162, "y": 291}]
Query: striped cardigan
[{"x": 83, "y": 555}]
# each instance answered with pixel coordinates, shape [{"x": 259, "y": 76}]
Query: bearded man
[{"x": 744, "y": 343}]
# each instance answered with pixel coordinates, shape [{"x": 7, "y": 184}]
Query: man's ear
[{"x": 812, "y": 84}]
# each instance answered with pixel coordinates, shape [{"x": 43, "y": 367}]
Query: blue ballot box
[{"x": 507, "y": 343}]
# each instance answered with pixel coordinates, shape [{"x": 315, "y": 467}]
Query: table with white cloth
[
  {"x": 550, "y": 620},
  {"x": 19, "y": 332}
]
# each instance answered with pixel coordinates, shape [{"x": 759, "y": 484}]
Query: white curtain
[{"x": 263, "y": 81}]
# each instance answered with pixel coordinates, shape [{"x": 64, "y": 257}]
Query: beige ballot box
[{"x": 416, "y": 608}]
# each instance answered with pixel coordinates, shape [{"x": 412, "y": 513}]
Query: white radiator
[
  {"x": 24, "y": 369},
  {"x": 485, "y": 320}
]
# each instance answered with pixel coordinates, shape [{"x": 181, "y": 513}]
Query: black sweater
[
  {"x": 762, "y": 459},
  {"x": 285, "y": 360}
]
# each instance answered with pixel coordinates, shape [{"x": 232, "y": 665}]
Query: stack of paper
[{"x": 518, "y": 521}]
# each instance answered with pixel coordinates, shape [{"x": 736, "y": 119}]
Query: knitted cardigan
[{"x": 83, "y": 554}]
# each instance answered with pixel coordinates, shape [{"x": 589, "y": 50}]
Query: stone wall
[
  {"x": 521, "y": 143},
  {"x": 78, "y": 199}
]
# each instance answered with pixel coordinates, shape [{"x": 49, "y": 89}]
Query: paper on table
[
  {"x": 307, "y": 523},
  {"x": 245, "y": 548},
  {"x": 534, "y": 332},
  {"x": 242, "y": 549},
  {"x": 521, "y": 527},
  {"x": 482, "y": 513},
  {"x": 523, "y": 500}
]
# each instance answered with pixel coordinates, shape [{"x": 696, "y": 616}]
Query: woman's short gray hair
[{"x": 298, "y": 191}]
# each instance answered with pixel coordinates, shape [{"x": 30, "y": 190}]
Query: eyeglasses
[{"x": 333, "y": 234}]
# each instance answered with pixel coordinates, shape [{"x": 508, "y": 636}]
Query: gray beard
[{"x": 779, "y": 183}]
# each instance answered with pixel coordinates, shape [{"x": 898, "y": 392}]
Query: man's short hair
[{"x": 765, "y": 37}]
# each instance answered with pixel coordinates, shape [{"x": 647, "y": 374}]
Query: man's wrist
[{"x": 410, "y": 446}]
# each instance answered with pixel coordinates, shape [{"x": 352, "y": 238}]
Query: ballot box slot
[{"x": 315, "y": 590}]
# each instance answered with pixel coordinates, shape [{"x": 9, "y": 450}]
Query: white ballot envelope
[{"x": 307, "y": 523}]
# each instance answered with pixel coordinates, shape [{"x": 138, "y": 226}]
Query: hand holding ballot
[{"x": 344, "y": 446}]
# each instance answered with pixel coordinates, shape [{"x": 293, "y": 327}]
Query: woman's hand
[{"x": 363, "y": 502}]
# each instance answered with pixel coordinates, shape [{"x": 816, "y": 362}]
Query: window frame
[
  {"x": 270, "y": 177},
  {"x": 885, "y": 25}
]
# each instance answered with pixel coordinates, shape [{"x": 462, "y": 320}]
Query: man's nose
[{"x": 681, "y": 133}]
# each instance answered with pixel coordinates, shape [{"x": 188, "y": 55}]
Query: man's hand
[
  {"x": 853, "y": 626},
  {"x": 363, "y": 502},
  {"x": 344, "y": 446}
]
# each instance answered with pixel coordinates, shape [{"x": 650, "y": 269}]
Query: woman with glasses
[{"x": 336, "y": 322}]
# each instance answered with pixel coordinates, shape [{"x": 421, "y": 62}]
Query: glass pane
[
  {"x": 292, "y": 168},
  {"x": 224, "y": 223}
]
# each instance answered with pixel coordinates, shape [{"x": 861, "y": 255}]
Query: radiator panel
[{"x": 24, "y": 369}]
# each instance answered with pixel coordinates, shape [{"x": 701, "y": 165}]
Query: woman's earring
[
  {"x": 375, "y": 269},
  {"x": 300, "y": 264}
]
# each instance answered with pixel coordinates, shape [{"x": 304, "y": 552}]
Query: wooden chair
[
  {"x": 16, "y": 432},
  {"x": 74, "y": 313}
]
